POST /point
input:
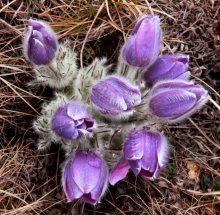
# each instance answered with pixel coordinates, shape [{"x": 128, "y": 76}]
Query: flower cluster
[{"x": 94, "y": 112}]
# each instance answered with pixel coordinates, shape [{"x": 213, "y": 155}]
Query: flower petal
[
  {"x": 143, "y": 46},
  {"x": 86, "y": 170},
  {"x": 88, "y": 199},
  {"x": 129, "y": 51},
  {"x": 119, "y": 171},
  {"x": 146, "y": 174},
  {"x": 134, "y": 145},
  {"x": 129, "y": 92},
  {"x": 37, "y": 52},
  {"x": 72, "y": 121},
  {"x": 40, "y": 43},
  {"x": 64, "y": 127},
  {"x": 149, "y": 159},
  {"x": 100, "y": 188},
  {"x": 172, "y": 103},
  {"x": 158, "y": 70},
  {"x": 76, "y": 111},
  {"x": 135, "y": 166},
  {"x": 162, "y": 151},
  {"x": 71, "y": 189},
  {"x": 107, "y": 99},
  {"x": 148, "y": 41},
  {"x": 48, "y": 35}
]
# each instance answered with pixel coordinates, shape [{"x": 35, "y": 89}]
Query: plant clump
[{"x": 94, "y": 111}]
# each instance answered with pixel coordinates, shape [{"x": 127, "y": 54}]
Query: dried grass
[{"x": 30, "y": 181}]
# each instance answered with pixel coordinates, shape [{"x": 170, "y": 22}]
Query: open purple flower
[
  {"x": 168, "y": 67},
  {"x": 175, "y": 100},
  {"x": 145, "y": 153},
  {"x": 115, "y": 96},
  {"x": 143, "y": 45},
  {"x": 86, "y": 176},
  {"x": 72, "y": 121},
  {"x": 40, "y": 43}
]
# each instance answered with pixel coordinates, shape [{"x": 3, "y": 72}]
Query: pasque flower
[
  {"x": 40, "y": 43},
  {"x": 72, "y": 121},
  {"x": 168, "y": 67},
  {"x": 86, "y": 176},
  {"x": 115, "y": 96},
  {"x": 145, "y": 153},
  {"x": 175, "y": 100},
  {"x": 143, "y": 45}
]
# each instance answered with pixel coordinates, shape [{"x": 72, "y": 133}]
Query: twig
[{"x": 87, "y": 34}]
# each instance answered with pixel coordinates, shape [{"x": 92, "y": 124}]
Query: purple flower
[
  {"x": 115, "y": 96},
  {"x": 143, "y": 46},
  {"x": 86, "y": 176},
  {"x": 175, "y": 100},
  {"x": 145, "y": 152},
  {"x": 40, "y": 43},
  {"x": 72, "y": 121},
  {"x": 168, "y": 67}
]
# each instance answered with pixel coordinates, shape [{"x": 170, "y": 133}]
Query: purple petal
[
  {"x": 49, "y": 39},
  {"x": 162, "y": 151},
  {"x": 129, "y": 51},
  {"x": 89, "y": 123},
  {"x": 172, "y": 103},
  {"x": 138, "y": 24},
  {"x": 168, "y": 67},
  {"x": 86, "y": 170},
  {"x": 40, "y": 43},
  {"x": 183, "y": 59},
  {"x": 148, "y": 41},
  {"x": 36, "y": 25},
  {"x": 149, "y": 159},
  {"x": 176, "y": 70},
  {"x": 88, "y": 199},
  {"x": 37, "y": 52},
  {"x": 69, "y": 121},
  {"x": 143, "y": 46},
  {"x": 130, "y": 93},
  {"x": 45, "y": 30},
  {"x": 171, "y": 84},
  {"x": 64, "y": 127},
  {"x": 198, "y": 90},
  {"x": 114, "y": 96},
  {"x": 76, "y": 111},
  {"x": 71, "y": 189},
  {"x": 194, "y": 95},
  {"x": 134, "y": 145},
  {"x": 135, "y": 166},
  {"x": 158, "y": 69},
  {"x": 107, "y": 99},
  {"x": 119, "y": 171},
  {"x": 101, "y": 186},
  {"x": 185, "y": 76},
  {"x": 146, "y": 174},
  {"x": 86, "y": 175}
]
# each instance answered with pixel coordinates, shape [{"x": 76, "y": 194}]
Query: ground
[{"x": 30, "y": 180}]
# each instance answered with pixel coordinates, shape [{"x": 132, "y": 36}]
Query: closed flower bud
[
  {"x": 40, "y": 43},
  {"x": 115, "y": 97},
  {"x": 168, "y": 67},
  {"x": 145, "y": 153},
  {"x": 86, "y": 176},
  {"x": 143, "y": 45},
  {"x": 72, "y": 121},
  {"x": 175, "y": 100}
]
